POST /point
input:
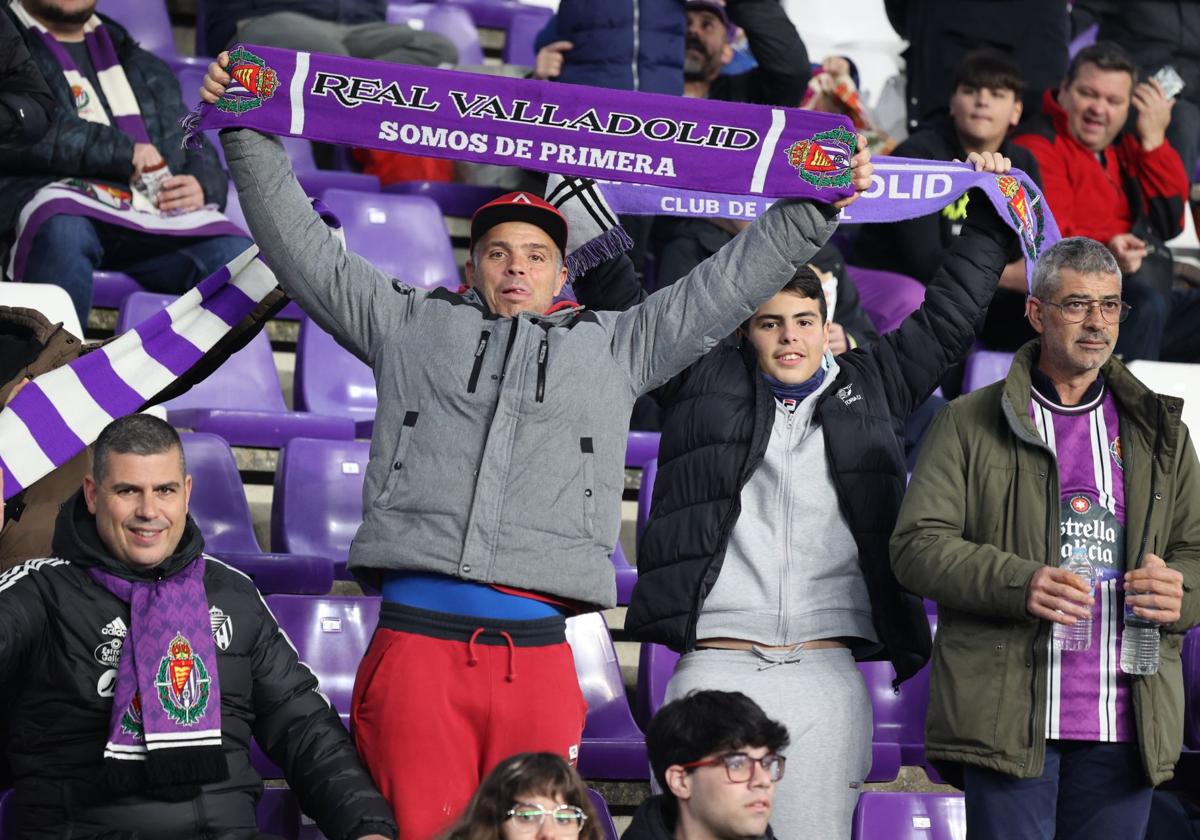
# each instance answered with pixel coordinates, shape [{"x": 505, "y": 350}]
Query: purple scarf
[{"x": 165, "y": 732}]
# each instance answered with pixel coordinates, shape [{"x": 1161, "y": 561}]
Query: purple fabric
[
  {"x": 108, "y": 389},
  {"x": 670, "y": 141},
  {"x": 52, "y": 434},
  {"x": 162, "y": 345},
  {"x": 167, "y": 685}
]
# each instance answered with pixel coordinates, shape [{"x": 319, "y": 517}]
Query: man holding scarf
[
  {"x": 492, "y": 496},
  {"x": 71, "y": 204},
  {"x": 143, "y": 667}
]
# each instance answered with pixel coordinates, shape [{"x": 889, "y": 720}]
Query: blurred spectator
[
  {"x": 100, "y": 743},
  {"x": 941, "y": 32},
  {"x": 529, "y": 795},
  {"x": 716, "y": 757},
  {"x": 1157, "y": 34},
  {"x": 984, "y": 107},
  {"x": 1070, "y": 453},
  {"x": 355, "y": 28},
  {"x": 619, "y": 44},
  {"x": 25, "y": 102},
  {"x": 85, "y": 141},
  {"x": 834, "y": 90},
  {"x": 1124, "y": 189}
]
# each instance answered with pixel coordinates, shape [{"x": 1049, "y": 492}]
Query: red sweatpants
[{"x": 431, "y": 717}]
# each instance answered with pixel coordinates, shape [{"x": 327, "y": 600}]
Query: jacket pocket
[
  {"x": 396, "y": 471},
  {"x": 589, "y": 485},
  {"x": 975, "y": 704}
]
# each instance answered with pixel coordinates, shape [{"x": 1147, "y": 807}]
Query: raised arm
[{"x": 345, "y": 294}]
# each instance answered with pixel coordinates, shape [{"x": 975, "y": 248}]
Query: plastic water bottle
[
  {"x": 1077, "y": 636},
  {"x": 1139, "y": 644}
]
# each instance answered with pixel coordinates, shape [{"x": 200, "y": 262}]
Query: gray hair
[
  {"x": 1078, "y": 253},
  {"x": 137, "y": 434}
]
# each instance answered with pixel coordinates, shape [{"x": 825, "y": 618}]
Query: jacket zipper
[
  {"x": 478, "y": 365},
  {"x": 785, "y": 493},
  {"x": 636, "y": 44},
  {"x": 543, "y": 360}
]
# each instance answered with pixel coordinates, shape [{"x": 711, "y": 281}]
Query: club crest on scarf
[
  {"x": 1027, "y": 215},
  {"x": 183, "y": 683},
  {"x": 255, "y": 83},
  {"x": 823, "y": 160},
  {"x": 131, "y": 720}
]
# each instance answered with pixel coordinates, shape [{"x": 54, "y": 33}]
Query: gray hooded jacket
[{"x": 498, "y": 449}]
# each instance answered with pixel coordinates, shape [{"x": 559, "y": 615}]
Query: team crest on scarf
[
  {"x": 114, "y": 197},
  {"x": 131, "y": 721},
  {"x": 823, "y": 160},
  {"x": 183, "y": 683},
  {"x": 1027, "y": 215},
  {"x": 80, "y": 96},
  {"x": 255, "y": 83}
]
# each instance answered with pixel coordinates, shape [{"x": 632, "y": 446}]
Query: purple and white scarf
[
  {"x": 79, "y": 197},
  {"x": 165, "y": 730}
]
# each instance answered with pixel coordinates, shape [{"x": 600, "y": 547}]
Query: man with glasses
[
  {"x": 715, "y": 756},
  {"x": 1069, "y": 455}
]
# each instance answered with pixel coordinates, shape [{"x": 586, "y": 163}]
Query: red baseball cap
[{"x": 520, "y": 207}]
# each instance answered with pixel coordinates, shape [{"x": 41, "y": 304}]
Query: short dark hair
[
  {"x": 807, "y": 284},
  {"x": 137, "y": 434},
  {"x": 1105, "y": 55},
  {"x": 705, "y": 722},
  {"x": 989, "y": 69}
]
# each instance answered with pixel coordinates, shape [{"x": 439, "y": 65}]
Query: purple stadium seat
[
  {"x": 888, "y": 708},
  {"x": 315, "y": 181},
  {"x": 613, "y": 747},
  {"x": 646, "y": 495},
  {"x": 402, "y": 235},
  {"x": 149, "y": 24},
  {"x": 318, "y": 498},
  {"x": 603, "y": 816},
  {"x": 983, "y": 367},
  {"x": 523, "y": 29},
  {"x": 1084, "y": 39},
  {"x": 218, "y": 505},
  {"x": 111, "y": 288},
  {"x": 888, "y": 298},
  {"x": 640, "y": 448},
  {"x": 330, "y": 380},
  {"x": 443, "y": 19},
  {"x": 493, "y": 14},
  {"x": 242, "y": 401},
  {"x": 1191, "y": 689},
  {"x": 656, "y": 664},
  {"x": 456, "y": 200},
  {"x": 910, "y": 816},
  {"x": 626, "y": 574}
]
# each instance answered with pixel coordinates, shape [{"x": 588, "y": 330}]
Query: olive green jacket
[{"x": 981, "y": 515}]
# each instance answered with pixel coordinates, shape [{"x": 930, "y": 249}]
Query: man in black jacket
[
  {"x": 25, "y": 101},
  {"x": 765, "y": 560},
  {"x": 87, "y": 141},
  {"x": 88, "y": 760},
  {"x": 984, "y": 107}
]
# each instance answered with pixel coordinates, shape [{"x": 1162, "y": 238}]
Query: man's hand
[
  {"x": 180, "y": 193},
  {"x": 216, "y": 79},
  {"x": 549, "y": 61},
  {"x": 861, "y": 170},
  {"x": 1154, "y": 591},
  {"x": 988, "y": 162},
  {"x": 1154, "y": 114},
  {"x": 1129, "y": 251},
  {"x": 839, "y": 342},
  {"x": 1013, "y": 277},
  {"x": 144, "y": 157},
  {"x": 1058, "y": 595}
]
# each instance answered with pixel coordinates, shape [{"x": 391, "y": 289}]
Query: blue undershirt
[
  {"x": 445, "y": 594},
  {"x": 800, "y": 390}
]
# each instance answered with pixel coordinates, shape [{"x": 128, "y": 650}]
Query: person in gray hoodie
[{"x": 491, "y": 501}]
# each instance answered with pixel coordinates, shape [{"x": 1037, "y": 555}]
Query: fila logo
[{"x": 116, "y": 627}]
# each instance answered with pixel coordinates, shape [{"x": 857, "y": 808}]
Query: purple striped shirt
[{"x": 1088, "y": 697}]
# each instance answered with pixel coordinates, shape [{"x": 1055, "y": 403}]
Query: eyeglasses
[
  {"x": 1077, "y": 311},
  {"x": 739, "y": 767},
  {"x": 566, "y": 820}
]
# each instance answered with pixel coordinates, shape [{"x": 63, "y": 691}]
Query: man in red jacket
[{"x": 1124, "y": 189}]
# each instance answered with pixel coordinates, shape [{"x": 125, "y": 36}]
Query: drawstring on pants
[
  {"x": 768, "y": 659},
  {"x": 473, "y": 660}
]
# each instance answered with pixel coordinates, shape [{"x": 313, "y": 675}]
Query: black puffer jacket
[
  {"x": 73, "y": 147},
  {"x": 25, "y": 101},
  {"x": 54, "y": 625},
  {"x": 718, "y": 417}
]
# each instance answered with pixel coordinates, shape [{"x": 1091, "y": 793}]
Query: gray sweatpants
[
  {"x": 821, "y": 697},
  {"x": 383, "y": 41}
]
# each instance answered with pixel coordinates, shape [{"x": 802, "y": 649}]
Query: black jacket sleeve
[
  {"x": 783, "y": 67},
  {"x": 25, "y": 101},
  {"x": 913, "y": 358},
  {"x": 23, "y": 620},
  {"x": 297, "y": 728}
]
